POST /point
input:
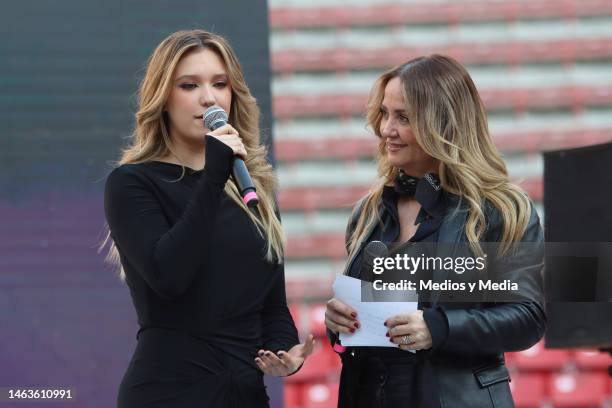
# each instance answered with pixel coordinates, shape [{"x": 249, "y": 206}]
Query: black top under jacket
[{"x": 418, "y": 384}]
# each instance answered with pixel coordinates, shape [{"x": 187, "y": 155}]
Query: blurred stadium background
[{"x": 68, "y": 73}]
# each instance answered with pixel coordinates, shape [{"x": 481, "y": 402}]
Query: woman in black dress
[
  {"x": 205, "y": 272},
  {"x": 443, "y": 182}
]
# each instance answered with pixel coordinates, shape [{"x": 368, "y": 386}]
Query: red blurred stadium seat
[
  {"x": 296, "y": 314},
  {"x": 578, "y": 390},
  {"x": 509, "y": 358},
  {"x": 315, "y": 287},
  {"x": 592, "y": 360},
  {"x": 528, "y": 390},
  {"x": 299, "y": 105},
  {"x": 346, "y": 147},
  {"x": 336, "y": 364},
  {"x": 316, "y": 319},
  {"x": 539, "y": 358},
  {"x": 319, "y": 366},
  {"x": 311, "y": 199},
  {"x": 320, "y": 396},
  {"x": 319, "y": 245},
  {"x": 510, "y": 52},
  {"x": 351, "y": 147},
  {"x": 292, "y": 395},
  {"x": 435, "y": 12}
]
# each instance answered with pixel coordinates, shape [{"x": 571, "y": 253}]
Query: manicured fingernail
[
  {"x": 356, "y": 325},
  {"x": 385, "y": 322},
  {"x": 387, "y": 334},
  {"x": 261, "y": 353},
  {"x": 354, "y": 314},
  {"x": 352, "y": 330},
  {"x": 391, "y": 340},
  {"x": 268, "y": 353}
]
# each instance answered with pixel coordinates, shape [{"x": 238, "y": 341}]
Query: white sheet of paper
[{"x": 371, "y": 315}]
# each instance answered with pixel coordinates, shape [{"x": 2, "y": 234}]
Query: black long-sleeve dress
[{"x": 205, "y": 297}]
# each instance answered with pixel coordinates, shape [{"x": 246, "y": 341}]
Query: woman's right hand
[
  {"x": 229, "y": 136},
  {"x": 340, "y": 317}
]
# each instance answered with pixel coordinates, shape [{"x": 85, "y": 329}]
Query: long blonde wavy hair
[
  {"x": 150, "y": 139},
  {"x": 449, "y": 122}
]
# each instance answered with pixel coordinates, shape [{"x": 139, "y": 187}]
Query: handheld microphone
[
  {"x": 214, "y": 118},
  {"x": 374, "y": 249}
]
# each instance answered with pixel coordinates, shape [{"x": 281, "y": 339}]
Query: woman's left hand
[
  {"x": 284, "y": 363},
  {"x": 409, "y": 331}
]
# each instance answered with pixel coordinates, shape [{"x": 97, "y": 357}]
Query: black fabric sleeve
[
  {"x": 167, "y": 257},
  {"x": 436, "y": 322},
  {"x": 505, "y": 327},
  {"x": 279, "y": 332},
  {"x": 498, "y": 329}
]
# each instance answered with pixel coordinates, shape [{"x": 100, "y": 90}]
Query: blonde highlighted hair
[
  {"x": 449, "y": 122},
  {"x": 150, "y": 139}
]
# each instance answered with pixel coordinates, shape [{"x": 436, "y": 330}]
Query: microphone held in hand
[
  {"x": 214, "y": 118},
  {"x": 374, "y": 249}
]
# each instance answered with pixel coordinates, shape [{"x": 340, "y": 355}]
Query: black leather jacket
[{"x": 469, "y": 365}]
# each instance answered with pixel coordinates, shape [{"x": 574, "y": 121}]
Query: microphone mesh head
[
  {"x": 214, "y": 117},
  {"x": 375, "y": 249}
]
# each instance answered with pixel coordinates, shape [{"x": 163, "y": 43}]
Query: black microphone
[
  {"x": 374, "y": 249},
  {"x": 214, "y": 118}
]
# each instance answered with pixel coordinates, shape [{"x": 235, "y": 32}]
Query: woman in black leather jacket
[{"x": 443, "y": 182}]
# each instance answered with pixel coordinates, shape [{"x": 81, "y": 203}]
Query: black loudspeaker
[{"x": 578, "y": 212}]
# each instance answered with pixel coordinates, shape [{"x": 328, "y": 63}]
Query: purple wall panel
[{"x": 66, "y": 319}]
